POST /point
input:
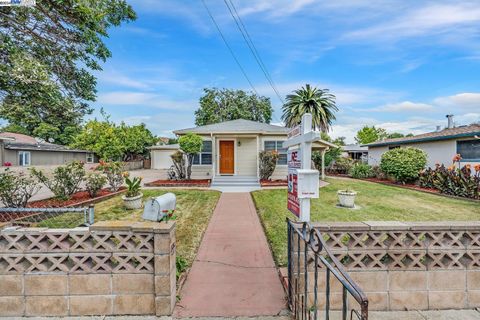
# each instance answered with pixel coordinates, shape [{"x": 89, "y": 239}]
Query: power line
[
  {"x": 253, "y": 49},
  {"x": 228, "y": 46}
]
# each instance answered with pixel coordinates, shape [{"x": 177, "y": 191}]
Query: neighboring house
[
  {"x": 355, "y": 152},
  {"x": 441, "y": 145},
  {"x": 231, "y": 148},
  {"x": 22, "y": 150}
]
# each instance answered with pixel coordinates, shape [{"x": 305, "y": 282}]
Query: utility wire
[
  {"x": 253, "y": 49},
  {"x": 228, "y": 46}
]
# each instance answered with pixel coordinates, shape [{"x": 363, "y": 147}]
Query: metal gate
[{"x": 309, "y": 295}]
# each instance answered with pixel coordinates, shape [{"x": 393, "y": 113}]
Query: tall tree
[
  {"x": 218, "y": 105},
  {"x": 370, "y": 134},
  {"x": 47, "y": 54},
  {"x": 318, "y": 102}
]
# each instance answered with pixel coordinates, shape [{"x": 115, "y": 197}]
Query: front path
[{"x": 234, "y": 273}]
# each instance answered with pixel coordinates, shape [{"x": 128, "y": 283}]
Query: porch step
[{"x": 235, "y": 181}]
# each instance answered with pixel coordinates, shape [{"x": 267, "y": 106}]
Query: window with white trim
[
  {"x": 204, "y": 157},
  {"x": 24, "y": 158},
  {"x": 469, "y": 149},
  {"x": 90, "y": 157},
  {"x": 277, "y": 146}
]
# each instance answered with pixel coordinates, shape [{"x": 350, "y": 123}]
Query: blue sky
[{"x": 402, "y": 65}]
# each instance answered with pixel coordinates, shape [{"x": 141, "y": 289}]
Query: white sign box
[{"x": 308, "y": 183}]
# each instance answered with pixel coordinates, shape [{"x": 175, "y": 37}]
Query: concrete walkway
[{"x": 234, "y": 273}]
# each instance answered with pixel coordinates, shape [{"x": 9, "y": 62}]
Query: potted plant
[
  {"x": 133, "y": 197},
  {"x": 346, "y": 198}
]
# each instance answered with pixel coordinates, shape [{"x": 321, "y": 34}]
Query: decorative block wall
[
  {"x": 403, "y": 266},
  {"x": 111, "y": 268}
]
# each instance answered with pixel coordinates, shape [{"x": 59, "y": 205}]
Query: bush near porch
[{"x": 376, "y": 201}]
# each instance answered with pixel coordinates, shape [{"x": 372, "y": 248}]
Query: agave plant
[{"x": 133, "y": 185}]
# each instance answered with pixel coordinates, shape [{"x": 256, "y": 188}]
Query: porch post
[
  {"x": 214, "y": 155},
  {"x": 323, "y": 163},
  {"x": 258, "y": 161}
]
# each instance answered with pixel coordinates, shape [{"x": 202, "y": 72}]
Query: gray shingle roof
[
  {"x": 445, "y": 134},
  {"x": 236, "y": 126}
]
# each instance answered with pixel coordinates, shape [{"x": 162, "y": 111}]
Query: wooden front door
[{"x": 227, "y": 157}]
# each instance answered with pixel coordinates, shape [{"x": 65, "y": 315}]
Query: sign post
[{"x": 302, "y": 180}]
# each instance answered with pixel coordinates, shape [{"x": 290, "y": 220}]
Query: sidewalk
[{"x": 234, "y": 273}]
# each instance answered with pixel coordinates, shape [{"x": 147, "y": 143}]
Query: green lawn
[
  {"x": 194, "y": 209},
  {"x": 376, "y": 201}
]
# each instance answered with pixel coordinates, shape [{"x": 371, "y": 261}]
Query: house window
[
  {"x": 277, "y": 146},
  {"x": 204, "y": 157},
  {"x": 90, "y": 157},
  {"x": 393, "y": 147},
  {"x": 24, "y": 158},
  {"x": 469, "y": 149}
]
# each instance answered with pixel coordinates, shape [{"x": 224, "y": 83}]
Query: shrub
[
  {"x": 65, "y": 180},
  {"x": 113, "y": 172},
  {"x": 94, "y": 182},
  {"x": 378, "y": 173},
  {"x": 341, "y": 166},
  {"x": 404, "y": 164},
  {"x": 330, "y": 156},
  {"x": 268, "y": 163},
  {"x": 361, "y": 171},
  {"x": 460, "y": 182},
  {"x": 17, "y": 188},
  {"x": 178, "y": 159},
  {"x": 191, "y": 144}
]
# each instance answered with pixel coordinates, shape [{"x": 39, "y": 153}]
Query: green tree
[
  {"x": 47, "y": 54},
  {"x": 395, "y": 135},
  {"x": 318, "y": 102},
  {"x": 370, "y": 134},
  {"x": 114, "y": 142},
  {"x": 218, "y": 105},
  {"x": 191, "y": 144}
]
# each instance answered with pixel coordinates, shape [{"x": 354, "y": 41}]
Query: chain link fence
[{"x": 48, "y": 217}]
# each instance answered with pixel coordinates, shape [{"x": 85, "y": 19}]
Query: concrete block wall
[
  {"x": 111, "y": 268},
  {"x": 399, "y": 265}
]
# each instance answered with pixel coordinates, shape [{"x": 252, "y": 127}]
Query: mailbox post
[{"x": 303, "y": 182}]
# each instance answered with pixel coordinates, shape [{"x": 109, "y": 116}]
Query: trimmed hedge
[{"x": 404, "y": 164}]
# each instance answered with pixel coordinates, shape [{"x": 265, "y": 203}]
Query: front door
[{"x": 227, "y": 157}]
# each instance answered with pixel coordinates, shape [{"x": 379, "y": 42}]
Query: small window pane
[
  {"x": 469, "y": 150},
  {"x": 282, "y": 159},
  {"x": 270, "y": 146},
  {"x": 196, "y": 159},
  {"x": 206, "y": 158},
  {"x": 207, "y": 146}
]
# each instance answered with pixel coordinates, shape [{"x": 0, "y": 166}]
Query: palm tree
[{"x": 318, "y": 102}]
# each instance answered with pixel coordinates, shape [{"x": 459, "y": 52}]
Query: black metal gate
[{"x": 309, "y": 295}]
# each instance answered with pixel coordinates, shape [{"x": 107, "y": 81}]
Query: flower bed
[
  {"x": 180, "y": 183},
  {"x": 273, "y": 183},
  {"x": 78, "y": 199}
]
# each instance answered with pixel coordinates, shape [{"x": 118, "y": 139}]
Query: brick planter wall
[
  {"x": 404, "y": 266},
  {"x": 111, "y": 268}
]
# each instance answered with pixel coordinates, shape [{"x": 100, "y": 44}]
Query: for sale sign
[{"x": 294, "y": 162}]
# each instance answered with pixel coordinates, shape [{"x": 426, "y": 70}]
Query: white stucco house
[
  {"x": 441, "y": 145},
  {"x": 231, "y": 151}
]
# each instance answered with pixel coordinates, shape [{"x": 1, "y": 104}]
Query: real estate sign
[{"x": 294, "y": 161}]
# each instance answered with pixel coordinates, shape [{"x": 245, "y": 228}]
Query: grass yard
[
  {"x": 376, "y": 201},
  {"x": 194, "y": 209}
]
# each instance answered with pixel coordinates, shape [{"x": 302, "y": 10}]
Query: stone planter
[
  {"x": 346, "y": 198},
  {"x": 133, "y": 203}
]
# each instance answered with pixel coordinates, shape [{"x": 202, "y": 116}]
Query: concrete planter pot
[
  {"x": 133, "y": 202},
  {"x": 346, "y": 198}
]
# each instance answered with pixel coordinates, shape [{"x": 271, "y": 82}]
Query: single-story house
[
  {"x": 441, "y": 145},
  {"x": 22, "y": 150},
  {"x": 231, "y": 149},
  {"x": 355, "y": 152}
]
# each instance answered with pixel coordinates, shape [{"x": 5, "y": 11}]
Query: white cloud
[
  {"x": 405, "y": 106},
  {"x": 122, "y": 80},
  {"x": 467, "y": 100},
  {"x": 432, "y": 19},
  {"x": 127, "y": 98}
]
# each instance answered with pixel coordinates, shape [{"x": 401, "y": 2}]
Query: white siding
[
  {"x": 246, "y": 160},
  {"x": 440, "y": 152}
]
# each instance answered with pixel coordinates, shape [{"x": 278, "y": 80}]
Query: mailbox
[
  {"x": 308, "y": 183},
  {"x": 156, "y": 208}
]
